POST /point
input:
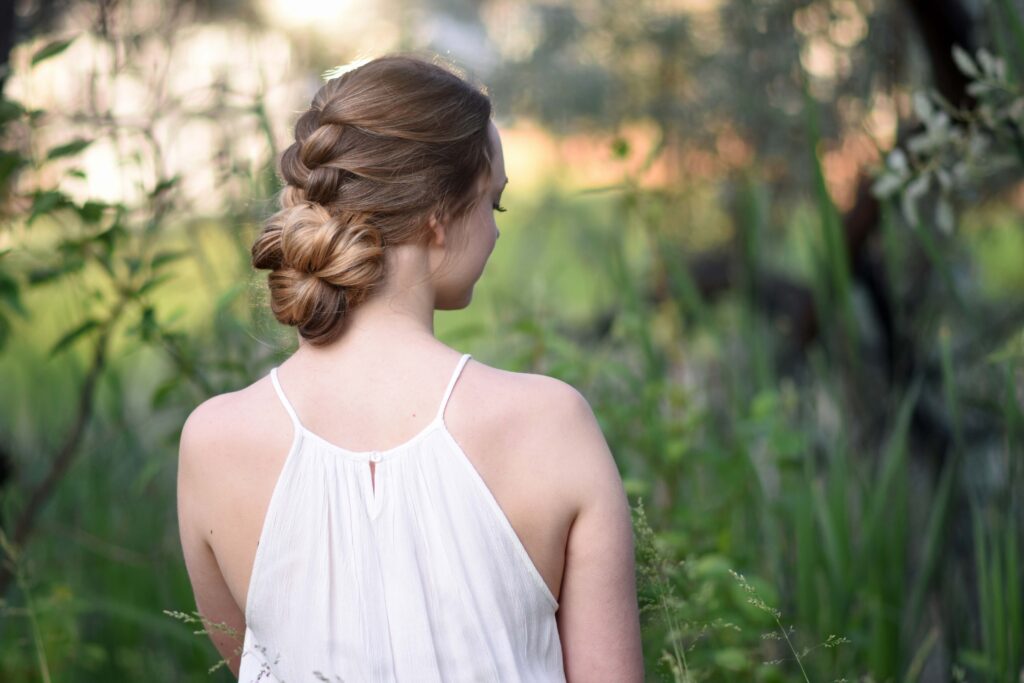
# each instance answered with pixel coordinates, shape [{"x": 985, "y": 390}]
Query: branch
[{"x": 69, "y": 449}]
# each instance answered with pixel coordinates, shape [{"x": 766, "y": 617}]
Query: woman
[{"x": 380, "y": 507}]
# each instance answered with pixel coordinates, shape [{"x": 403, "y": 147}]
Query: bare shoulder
[
  {"x": 541, "y": 401},
  {"x": 234, "y": 437},
  {"x": 546, "y": 417},
  {"x": 232, "y": 418}
]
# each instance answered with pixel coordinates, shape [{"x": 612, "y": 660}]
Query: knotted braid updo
[{"x": 381, "y": 148}]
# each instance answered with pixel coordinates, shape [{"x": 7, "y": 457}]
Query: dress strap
[
  {"x": 451, "y": 385},
  {"x": 284, "y": 399}
]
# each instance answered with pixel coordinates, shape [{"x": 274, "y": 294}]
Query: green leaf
[
  {"x": 46, "y": 201},
  {"x": 68, "y": 149},
  {"x": 165, "y": 185},
  {"x": 147, "y": 328},
  {"x": 5, "y": 331},
  {"x": 45, "y": 274},
  {"x": 74, "y": 335},
  {"x": 51, "y": 49},
  {"x": 162, "y": 258},
  {"x": 109, "y": 237},
  {"x": 91, "y": 211},
  {"x": 164, "y": 392},
  {"x": 153, "y": 282},
  {"x": 10, "y": 292},
  {"x": 9, "y": 163},
  {"x": 10, "y": 110}
]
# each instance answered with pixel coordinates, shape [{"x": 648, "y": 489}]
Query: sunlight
[{"x": 306, "y": 13}]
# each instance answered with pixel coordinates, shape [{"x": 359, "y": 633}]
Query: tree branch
[{"x": 45, "y": 489}]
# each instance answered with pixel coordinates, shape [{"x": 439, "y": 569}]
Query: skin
[{"x": 534, "y": 440}]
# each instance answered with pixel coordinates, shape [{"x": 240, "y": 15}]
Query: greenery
[{"x": 825, "y": 470}]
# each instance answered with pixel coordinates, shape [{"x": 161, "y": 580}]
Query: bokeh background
[{"x": 778, "y": 244}]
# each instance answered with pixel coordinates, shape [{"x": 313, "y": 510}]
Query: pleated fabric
[{"x": 420, "y": 579}]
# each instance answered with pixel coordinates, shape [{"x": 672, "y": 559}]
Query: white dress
[{"x": 415, "y": 576}]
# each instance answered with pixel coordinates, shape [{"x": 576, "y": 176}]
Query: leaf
[
  {"x": 51, "y": 49},
  {"x": 147, "y": 327},
  {"x": 897, "y": 161},
  {"x": 162, "y": 258},
  {"x": 91, "y": 211},
  {"x": 945, "y": 219},
  {"x": 987, "y": 62},
  {"x": 164, "y": 391},
  {"x": 908, "y": 203},
  {"x": 977, "y": 88},
  {"x": 5, "y": 331},
  {"x": 10, "y": 292},
  {"x": 923, "y": 142},
  {"x": 74, "y": 335},
  {"x": 45, "y": 274},
  {"x": 153, "y": 282},
  {"x": 47, "y": 201},
  {"x": 9, "y": 163},
  {"x": 965, "y": 63},
  {"x": 919, "y": 186},
  {"x": 165, "y": 185},
  {"x": 923, "y": 106},
  {"x": 887, "y": 185},
  {"x": 68, "y": 149},
  {"x": 10, "y": 110},
  {"x": 109, "y": 237}
]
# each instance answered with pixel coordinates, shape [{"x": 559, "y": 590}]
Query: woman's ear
[{"x": 438, "y": 229}]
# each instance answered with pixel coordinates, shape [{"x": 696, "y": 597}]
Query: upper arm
[
  {"x": 197, "y": 476},
  {"x": 598, "y": 615}
]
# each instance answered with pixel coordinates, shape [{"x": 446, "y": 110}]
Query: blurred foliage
[
  {"x": 959, "y": 147},
  {"x": 807, "y": 506}
]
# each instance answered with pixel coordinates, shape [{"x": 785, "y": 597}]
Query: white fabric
[{"x": 422, "y": 580}]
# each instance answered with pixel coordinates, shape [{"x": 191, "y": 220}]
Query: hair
[{"x": 381, "y": 148}]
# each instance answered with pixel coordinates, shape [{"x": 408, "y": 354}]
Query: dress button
[{"x": 375, "y": 456}]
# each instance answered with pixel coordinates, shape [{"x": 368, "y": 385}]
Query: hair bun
[{"x": 320, "y": 264}]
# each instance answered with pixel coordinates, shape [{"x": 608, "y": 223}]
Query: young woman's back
[{"x": 381, "y": 507}]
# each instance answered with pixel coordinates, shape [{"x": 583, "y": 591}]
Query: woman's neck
[{"x": 399, "y": 314}]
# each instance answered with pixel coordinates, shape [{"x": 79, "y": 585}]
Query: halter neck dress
[{"x": 414, "y": 576}]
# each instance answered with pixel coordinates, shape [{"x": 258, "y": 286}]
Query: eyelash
[{"x": 499, "y": 207}]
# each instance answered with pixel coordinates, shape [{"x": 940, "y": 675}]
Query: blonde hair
[{"x": 381, "y": 148}]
